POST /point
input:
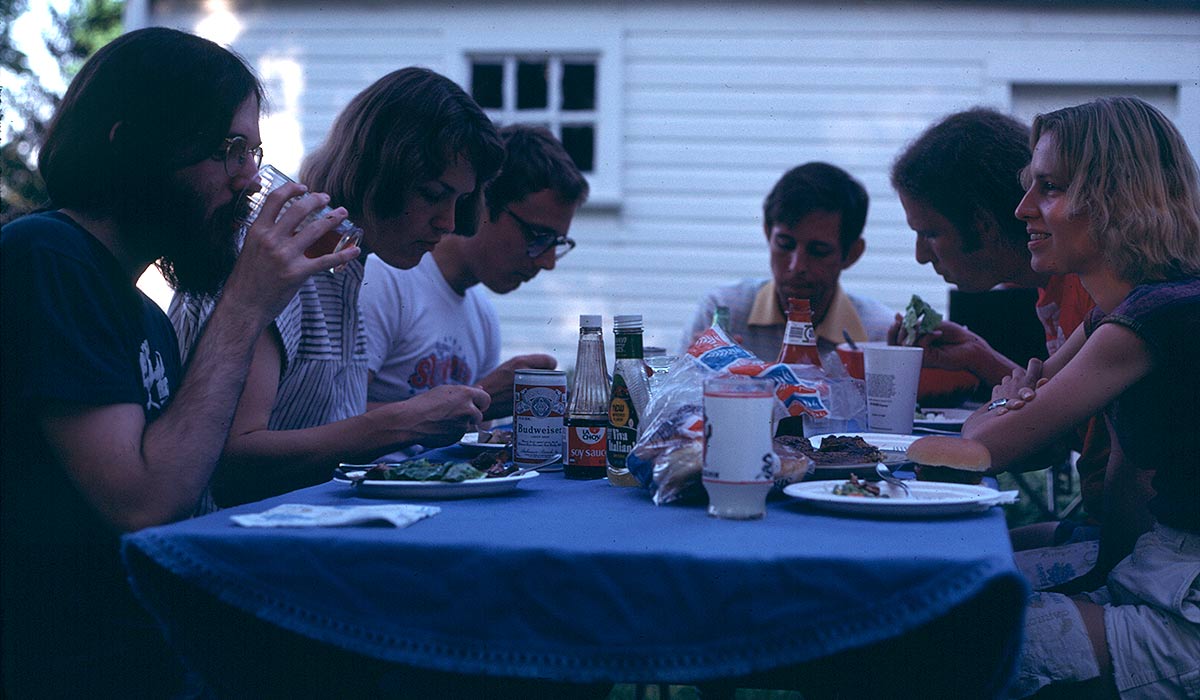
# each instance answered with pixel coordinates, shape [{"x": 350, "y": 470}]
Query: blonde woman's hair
[{"x": 1131, "y": 173}]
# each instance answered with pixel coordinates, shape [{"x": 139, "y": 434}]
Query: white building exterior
[{"x": 700, "y": 107}]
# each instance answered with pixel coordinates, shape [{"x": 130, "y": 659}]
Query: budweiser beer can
[{"x": 539, "y": 409}]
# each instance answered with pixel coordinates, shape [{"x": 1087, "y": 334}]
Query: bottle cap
[
  {"x": 627, "y": 322},
  {"x": 589, "y": 321},
  {"x": 799, "y": 304}
]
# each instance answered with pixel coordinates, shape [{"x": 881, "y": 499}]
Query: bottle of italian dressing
[
  {"x": 799, "y": 336},
  {"x": 721, "y": 318},
  {"x": 628, "y": 398},
  {"x": 587, "y": 407}
]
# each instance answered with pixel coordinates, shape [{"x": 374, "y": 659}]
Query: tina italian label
[{"x": 622, "y": 424}]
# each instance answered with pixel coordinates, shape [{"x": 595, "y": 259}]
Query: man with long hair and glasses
[
  {"x": 103, "y": 431},
  {"x": 433, "y": 325},
  {"x": 407, "y": 157}
]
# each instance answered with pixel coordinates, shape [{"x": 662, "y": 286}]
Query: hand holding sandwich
[{"x": 951, "y": 346}]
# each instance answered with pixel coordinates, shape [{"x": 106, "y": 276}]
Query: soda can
[{"x": 539, "y": 411}]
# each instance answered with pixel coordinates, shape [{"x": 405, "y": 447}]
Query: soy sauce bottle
[{"x": 587, "y": 408}]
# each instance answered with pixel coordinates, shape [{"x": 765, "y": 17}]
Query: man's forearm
[
  {"x": 989, "y": 365},
  {"x": 182, "y": 447}
]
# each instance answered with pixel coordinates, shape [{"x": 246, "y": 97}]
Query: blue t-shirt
[
  {"x": 1156, "y": 419},
  {"x": 75, "y": 331}
]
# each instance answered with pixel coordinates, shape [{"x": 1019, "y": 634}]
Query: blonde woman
[{"x": 1112, "y": 195}]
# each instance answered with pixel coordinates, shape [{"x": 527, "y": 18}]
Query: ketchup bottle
[{"x": 799, "y": 336}]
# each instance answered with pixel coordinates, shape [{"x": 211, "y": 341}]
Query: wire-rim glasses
[
  {"x": 539, "y": 239},
  {"x": 234, "y": 152}
]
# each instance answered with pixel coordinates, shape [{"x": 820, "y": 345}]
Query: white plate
[
  {"x": 436, "y": 489},
  {"x": 892, "y": 446},
  {"x": 884, "y": 441},
  {"x": 472, "y": 440},
  {"x": 944, "y": 418},
  {"x": 928, "y": 498}
]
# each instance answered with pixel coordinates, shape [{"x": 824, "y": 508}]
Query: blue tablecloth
[{"x": 582, "y": 582}]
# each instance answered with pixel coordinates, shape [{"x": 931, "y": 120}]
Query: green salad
[
  {"x": 424, "y": 470},
  {"x": 919, "y": 318}
]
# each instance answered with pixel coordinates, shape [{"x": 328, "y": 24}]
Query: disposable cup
[
  {"x": 739, "y": 462},
  {"x": 892, "y": 373},
  {"x": 270, "y": 179}
]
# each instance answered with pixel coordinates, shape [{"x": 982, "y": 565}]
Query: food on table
[
  {"x": 494, "y": 464},
  {"x": 794, "y": 462},
  {"x": 835, "y": 450},
  {"x": 486, "y": 465},
  {"x": 855, "y": 488},
  {"x": 919, "y": 318},
  {"x": 921, "y": 414},
  {"x": 424, "y": 470},
  {"x": 677, "y": 472},
  {"x": 496, "y": 437},
  {"x": 954, "y": 460}
]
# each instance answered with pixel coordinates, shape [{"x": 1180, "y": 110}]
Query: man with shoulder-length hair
[
  {"x": 103, "y": 432},
  {"x": 433, "y": 325}
]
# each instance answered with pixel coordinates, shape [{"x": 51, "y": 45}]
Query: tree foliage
[{"x": 26, "y": 104}]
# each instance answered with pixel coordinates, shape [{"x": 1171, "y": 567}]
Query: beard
[
  {"x": 195, "y": 249},
  {"x": 198, "y": 264}
]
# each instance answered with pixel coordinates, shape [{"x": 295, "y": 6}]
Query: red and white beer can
[{"x": 539, "y": 409}]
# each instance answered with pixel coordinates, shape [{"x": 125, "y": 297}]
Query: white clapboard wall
[{"x": 712, "y": 103}]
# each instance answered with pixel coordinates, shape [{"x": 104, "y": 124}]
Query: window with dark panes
[
  {"x": 487, "y": 84},
  {"x": 557, "y": 91}
]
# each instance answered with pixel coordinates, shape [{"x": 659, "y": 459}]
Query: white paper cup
[
  {"x": 892, "y": 373},
  {"x": 739, "y": 462}
]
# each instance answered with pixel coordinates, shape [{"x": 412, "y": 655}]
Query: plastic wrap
[{"x": 668, "y": 455}]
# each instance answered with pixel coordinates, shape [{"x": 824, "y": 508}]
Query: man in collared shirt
[{"x": 813, "y": 220}]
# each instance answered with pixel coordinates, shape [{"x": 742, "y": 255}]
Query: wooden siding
[{"x": 716, "y": 102}]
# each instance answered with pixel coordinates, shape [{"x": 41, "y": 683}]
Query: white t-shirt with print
[{"x": 421, "y": 333}]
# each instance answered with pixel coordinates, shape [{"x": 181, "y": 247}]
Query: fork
[
  {"x": 535, "y": 467},
  {"x": 887, "y": 476}
]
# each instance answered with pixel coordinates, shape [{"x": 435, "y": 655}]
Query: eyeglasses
[
  {"x": 233, "y": 153},
  {"x": 539, "y": 239}
]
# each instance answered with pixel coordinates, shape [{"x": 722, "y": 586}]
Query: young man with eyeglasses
[
  {"x": 433, "y": 325},
  {"x": 103, "y": 431}
]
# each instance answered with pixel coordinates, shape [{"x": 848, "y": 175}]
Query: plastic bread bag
[
  {"x": 813, "y": 393},
  {"x": 668, "y": 455}
]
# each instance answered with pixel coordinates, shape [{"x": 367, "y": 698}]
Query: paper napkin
[{"x": 300, "y": 515}]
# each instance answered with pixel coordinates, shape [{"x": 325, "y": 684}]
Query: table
[{"x": 581, "y": 582}]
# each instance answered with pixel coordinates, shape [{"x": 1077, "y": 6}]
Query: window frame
[
  {"x": 601, "y": 46},
  {"x": 552, "y": 115}
]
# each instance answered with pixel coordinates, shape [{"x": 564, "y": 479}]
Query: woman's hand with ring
[{"x": 1017, "y": 389}]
